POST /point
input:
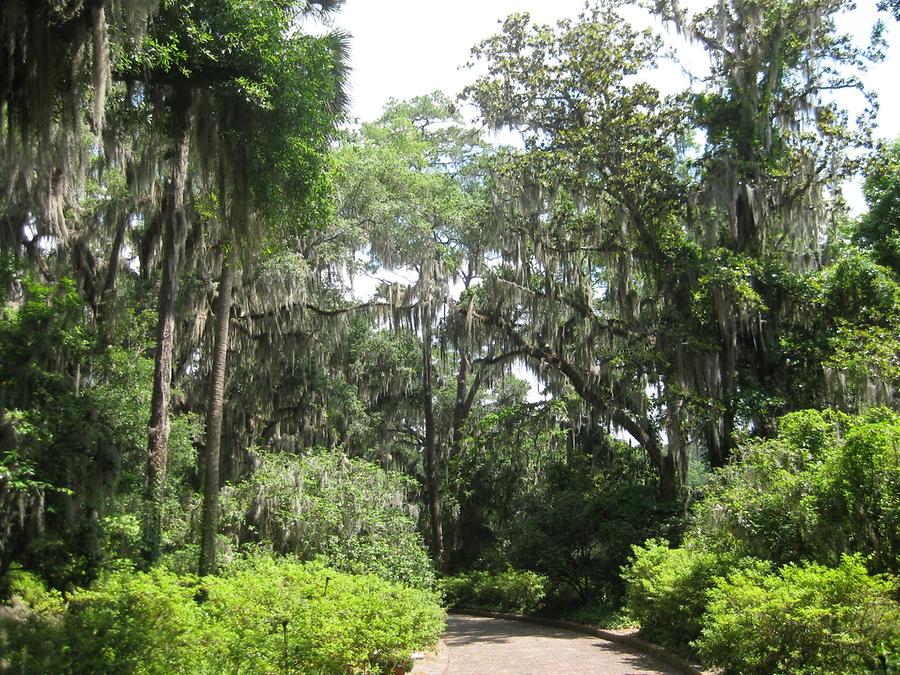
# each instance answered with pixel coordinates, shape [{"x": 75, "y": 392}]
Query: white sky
[{"x": 405, "y": 48}]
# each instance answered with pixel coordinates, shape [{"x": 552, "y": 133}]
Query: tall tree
[
  {"x": 405, "y": 179},
  {"x": 776, "y": 152},
  {"x": 586, "y": 215},
  {"x": 270, "y": 180},
  {"x": 879, "y": 228},
  {"x": 642, "y": 275},
  {"x": 204, "y": 54}
]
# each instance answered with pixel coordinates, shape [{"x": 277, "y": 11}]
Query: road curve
[{"x": 482, "y": 646}]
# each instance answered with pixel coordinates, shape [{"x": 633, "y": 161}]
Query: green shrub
[
  {"x": 804, "y": 619},
  {"x": 33, "y": 592},
  {"x": 264, "y": 615},
  {"x": 601, "y": 614},
  {"x": 518, "y": 591},
  {"x": 31, "y": 615},
  {"x": 667, "y": 590},
  {"x": 865, "y": 480},
  {"x": 287, "y": 616},
  {"x": 828, "y": 485},
  {"x": 128, "y": 623}
]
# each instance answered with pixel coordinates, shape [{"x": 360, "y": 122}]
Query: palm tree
[{"x": 255, "y": 147}]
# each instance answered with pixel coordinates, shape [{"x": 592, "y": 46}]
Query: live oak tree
[
  {"x": 765, "y": 199},
  {"x": 652, "y": 279},
  {"x": 407, "y": 180},
  {"x": 586, "y": 215}
]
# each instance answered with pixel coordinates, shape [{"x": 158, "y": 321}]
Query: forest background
[{"x": 633, "y": 351}]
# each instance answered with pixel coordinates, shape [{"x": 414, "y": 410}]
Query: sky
[{"x": 406, "y": 48}]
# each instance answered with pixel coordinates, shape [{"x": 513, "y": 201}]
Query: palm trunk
[
  {"x": 435, "y": 506},
  {"x": 214, "y": 424},
  {"x": 158, "y": 433}
]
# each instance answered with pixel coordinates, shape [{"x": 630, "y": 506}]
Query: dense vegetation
[
  {"x": 788, "y": 563},
  {"x": 271, "y": 381}
]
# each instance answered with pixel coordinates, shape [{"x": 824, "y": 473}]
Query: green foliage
[
  {"x": 578, "y": 526},
  {"x": 287, "y": 616},
  {"x": 667, "y": 590},
  {"x": 843, "y": 351},
  {"x": 601, "y": 614},
  {"x": 879, "y": 229},
  {"x": 813, "y": 507},
  {"x": 127, "y": 623},
  {"x": 803, "y": 619},
  {"x": 862, "y": 478},
  {"x": 31, "y": 591},
  {"x": 263, "y": 615},
  {"x": 516, "y": 591},
  {"x": 825, "y": 486},
  {"x": 74, "y": 438},
  {"x": 538, "y": 489},
  {"x": 351, "y": 512}
]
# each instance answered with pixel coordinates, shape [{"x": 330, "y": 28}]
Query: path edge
[{"x": 632, "y": 641}]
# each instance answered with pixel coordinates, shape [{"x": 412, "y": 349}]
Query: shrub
[
  {"x": 33, "y": 593},
  {"x": 865, "y": 480},
  {"x": 804, "y": 619},
  {"x": 828, "y": 485},
  {"x": 128, "y": 623},
  {"x": 518, "y": 591},
  {"x": 667, "y": 590},
  {"x": 351, "y": 512},
  {"x": 265, "y": 615},
  {"x": 25, "y": 623},
  {"x": 287, "y": 616}
]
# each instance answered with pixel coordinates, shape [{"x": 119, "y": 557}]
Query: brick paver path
[{"x": 479, "y": 646}]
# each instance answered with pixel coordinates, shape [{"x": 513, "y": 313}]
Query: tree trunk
[
  {"x": 459, "y": 407},
  {"x": 158, "y": 432},
  {"x": 435, "y": 505},
  {"x": 112, "y": 269},
  {"x": 465, "y": 397},
  {"x": 214, "y": 424},
  {"x": 107, "y": 294}
]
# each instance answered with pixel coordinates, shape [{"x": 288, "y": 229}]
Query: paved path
[{"x": 479, "y": 646}]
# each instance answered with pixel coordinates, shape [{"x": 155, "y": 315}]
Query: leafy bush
[
  {"x": 30, "y": 590},
  {"x": 518, "y": 591},
  {"x": 864, "y": 479},
  {"x": 804, "y": 619},
  {"x": 128, "y": 623},
  {"x": 828, "y": 485},
  {"x": 264, "y": 615},
  {"x": 667, "y": 590},
  {"x": 601, "y": 614},
  {"x": 349, "y": 511},
  {"x": 299, "y": 617}
]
